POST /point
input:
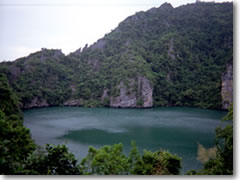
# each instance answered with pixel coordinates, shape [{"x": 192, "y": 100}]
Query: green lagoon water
[{"x": 177, "y": 129}]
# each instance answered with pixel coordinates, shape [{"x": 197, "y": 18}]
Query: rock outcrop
[
  {"x": 126, "y": 98},
  {"x": 130, "y": 96},
  {"x": 36, "y": 102},
  {"x": 146, "y": 92},
  {"x": 227, "y": 87},
  {"x": 73, "y": 102}
]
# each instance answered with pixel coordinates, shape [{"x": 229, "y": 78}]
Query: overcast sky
[{"x": 29, "y": 25}]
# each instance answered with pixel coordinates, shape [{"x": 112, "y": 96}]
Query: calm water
[{"x": 178, "y": 129}]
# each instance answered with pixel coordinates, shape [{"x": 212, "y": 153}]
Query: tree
[
  {"x": 108, "y": 160},
  {"x": 15, "y": 145},
  {"x": 15, "y": 140},
  {"x": 223, "y": 163},
  {"x": 55, "y": 160},
  {"x": 9, "y": 101},
  {"x": 157, "y": 163}
]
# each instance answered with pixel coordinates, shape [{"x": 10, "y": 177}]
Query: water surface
[{"x": 177, "y": 129}]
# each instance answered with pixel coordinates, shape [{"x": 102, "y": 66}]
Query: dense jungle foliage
[{"x": 183, "y": 51}]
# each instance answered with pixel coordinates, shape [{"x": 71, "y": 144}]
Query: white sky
[{"x": 29, "y": 25}]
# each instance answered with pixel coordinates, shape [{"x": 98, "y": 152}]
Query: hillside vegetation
[{"x": 162, "y": 57}]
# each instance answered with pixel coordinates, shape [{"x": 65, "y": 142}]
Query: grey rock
[
  {"x": 146, "y": 92},
  {"x": 171, "y": 49},
  {"x": 73, "y": 102},
  {"x": 105, "y": 94},
  {"x": 99, "y": 44},
  {"x": 130, "y": 97},
  {"x": 73, "y": 89},
  {"x": 15, "y": 71},
  {"x": 78, "y": 52},
  {"x": 36, "y": 102},
  {"x": 227, "y": 87},
  {"x": 126, "y": 98}
]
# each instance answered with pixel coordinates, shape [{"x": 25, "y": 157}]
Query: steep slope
[
  {"x": 162, "y": 57},
  {"x": 181, "y": 52},
  {"x": 41, "y": 79}
]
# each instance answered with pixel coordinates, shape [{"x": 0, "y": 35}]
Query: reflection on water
[{"x": 177, "y": 129}]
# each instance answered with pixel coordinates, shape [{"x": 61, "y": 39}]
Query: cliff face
[
  {"x": 227, "y": 87},
  {"x": 126, "y": 97},
  {"x": 138, "y": 93},
  {"x": 146, "y": 91}
]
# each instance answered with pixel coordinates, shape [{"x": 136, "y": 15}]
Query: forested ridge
[{"x": 162, "y": 57}]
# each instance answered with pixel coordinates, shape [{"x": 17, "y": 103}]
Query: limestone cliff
[
  {"x": 227, "y": 87},
  {"x": 146, "y": 91},
  {"x": 138, "y": 93}
]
